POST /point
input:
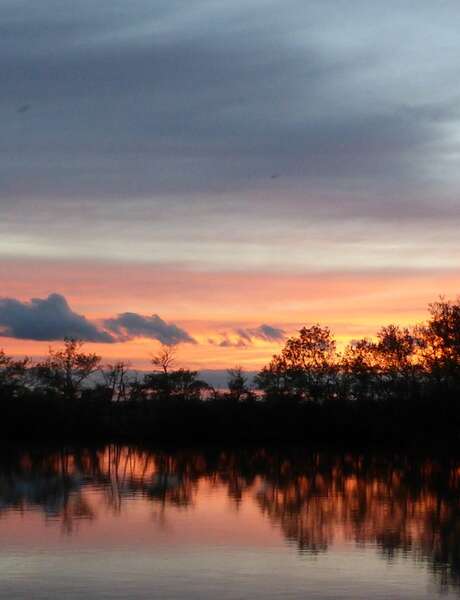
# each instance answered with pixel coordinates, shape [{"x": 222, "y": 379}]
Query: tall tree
[
  {"x": 439, "y": 340},
  {"x": 305, "y": 368}
]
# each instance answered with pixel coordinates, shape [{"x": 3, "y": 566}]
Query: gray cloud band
[{"x": 166, "y": 98}]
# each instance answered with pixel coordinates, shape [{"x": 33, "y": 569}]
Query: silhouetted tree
[
  {"x": 13, "y": 375},
  {"x": 238, "y": 386},
  {"x": 180, "y": 383},
  {"x": 65, "y": 371},
  {"x": 306, "y": 367},
  {"x": 165, "y": 383},
  {"x": 165, "y": 358},
  {"x": 116, "y": 377},
  {"x": 439, "y": 341},
  {"x": 396, "y": 348},
  {"x": 359, "y": 367},
  {"x": 274, "y": 380}
]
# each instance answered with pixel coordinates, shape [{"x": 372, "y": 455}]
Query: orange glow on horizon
[{"x": 209, "y": 305}]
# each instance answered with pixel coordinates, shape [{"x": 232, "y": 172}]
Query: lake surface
[{"x": 123, "y": 522}]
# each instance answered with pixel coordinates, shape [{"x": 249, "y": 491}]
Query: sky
[{"x": 217, "y": 174}]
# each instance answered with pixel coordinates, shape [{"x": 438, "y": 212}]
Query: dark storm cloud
[
  {"x": 46, "y": 319},
  {"x": 127, "y": 326},
  {"x": 51, "y": 319}
]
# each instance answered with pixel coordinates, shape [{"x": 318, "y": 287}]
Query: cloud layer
[
  {"x": 52, "y": 319},
  {"x": 293, "y": 134},
  {"x": 168, "y": 97}
]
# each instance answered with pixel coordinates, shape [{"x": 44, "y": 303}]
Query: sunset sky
[{"x": 217, "y": 174}]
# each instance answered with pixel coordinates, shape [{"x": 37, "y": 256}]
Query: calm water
[{"x": 122, "y": 522}]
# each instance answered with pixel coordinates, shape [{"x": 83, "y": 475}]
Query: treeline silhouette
[
  {"x": 402, "y": 386},
  {"x": 404, "y": 505}
]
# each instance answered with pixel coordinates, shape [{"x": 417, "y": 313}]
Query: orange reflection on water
[{"x": 398, "y": 505}]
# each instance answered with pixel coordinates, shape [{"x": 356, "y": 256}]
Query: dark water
[{"x": 123, "y": 522}]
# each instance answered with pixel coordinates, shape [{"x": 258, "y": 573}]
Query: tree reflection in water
[{"x": 401, "y": 505}]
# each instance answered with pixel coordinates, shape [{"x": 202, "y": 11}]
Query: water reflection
[{"x": 399, "y": 505}]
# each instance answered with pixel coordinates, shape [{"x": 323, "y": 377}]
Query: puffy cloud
[
  {"x": 129, "y": 325},
  {"x": 51, "y": 319},
  {"x": 47, "y": 319}
]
